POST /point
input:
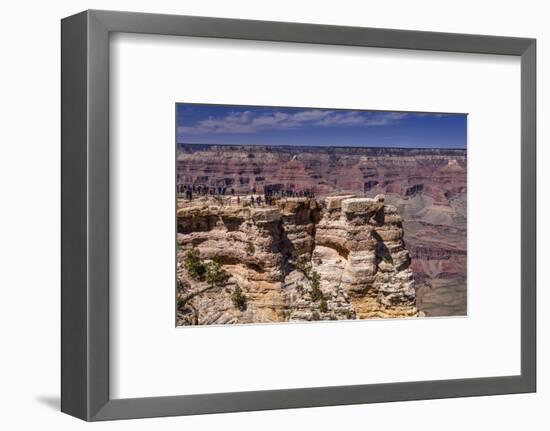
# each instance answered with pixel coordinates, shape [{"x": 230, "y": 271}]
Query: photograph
[
  {"x": 288, "y": 214},
  {"x": 275, "y": 216}
]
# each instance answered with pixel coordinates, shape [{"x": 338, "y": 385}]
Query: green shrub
[
  {"x": 249, "y": 248},
  {"x": 239, "y": 299},
  {"x": 302, "y": 264},
  {"x": 195, "y": 268},
  {"x": 323, "y": 307},
  {"x": 316, "y": 293},
  {"x": 215, "y": 274}
]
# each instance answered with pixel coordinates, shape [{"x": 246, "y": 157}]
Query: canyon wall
[
  {"x": 300, "y": 259},
  {"x": 427, "y": 186}
]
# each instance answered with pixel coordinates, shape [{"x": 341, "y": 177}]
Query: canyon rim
[{"x": 307, "y": 214}]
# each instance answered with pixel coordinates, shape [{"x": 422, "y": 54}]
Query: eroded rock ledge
[{"x": 300, "y": 259}]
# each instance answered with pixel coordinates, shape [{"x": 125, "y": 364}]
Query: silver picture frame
[{"x": 85, "y": 215}]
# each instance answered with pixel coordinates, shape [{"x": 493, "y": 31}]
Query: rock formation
[
  {"x": 427, "y": 186},
  {"x": 300, "y": 259}
]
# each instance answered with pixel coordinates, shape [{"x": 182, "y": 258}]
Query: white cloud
[{"x": 248, "y": 122}]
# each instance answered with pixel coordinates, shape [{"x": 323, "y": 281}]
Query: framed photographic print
[
  {"x": 300, "y": 214},
  {"x": 262, "y": 215}
]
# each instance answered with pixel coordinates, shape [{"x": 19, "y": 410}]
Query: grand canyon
[{"x": 305, "y": 233}]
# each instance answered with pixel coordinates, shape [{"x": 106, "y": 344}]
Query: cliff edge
[{"x": 298, "y": 259}]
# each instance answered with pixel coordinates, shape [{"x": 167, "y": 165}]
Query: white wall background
[{"x": 29, "y": 220}]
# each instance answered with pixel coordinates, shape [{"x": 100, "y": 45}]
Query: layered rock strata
[
  {"x": 427, "y": 186},
  {"x": 300, "y": 259}
]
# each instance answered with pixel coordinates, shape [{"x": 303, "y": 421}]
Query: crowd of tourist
[
  {"x": 204, "y": 190},
  {"x": 252, "y": 196}
]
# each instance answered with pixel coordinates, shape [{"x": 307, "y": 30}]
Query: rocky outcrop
[
  {"x": 300, "y": 259},
  {"x": 427, "y": 186}
]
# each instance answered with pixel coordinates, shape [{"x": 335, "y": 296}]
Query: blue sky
[{"x": 253, "y": 125}]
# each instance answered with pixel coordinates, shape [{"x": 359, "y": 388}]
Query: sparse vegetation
[
  {"x": 348, "y": 314},
  {"x": 215, "y": 274},
  {"x": 249, "y": 248},
  {"x": 239, "y": 298},
  {"x": 195, "y": 268},
  {"x": 212, "y": 272},
  {"x": 316, "y": 293},
  {"x": 302, "y": 264},
  {"x": 323, "y": 307}
]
